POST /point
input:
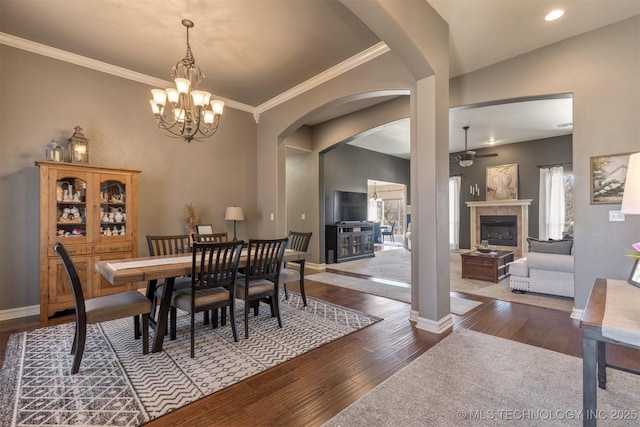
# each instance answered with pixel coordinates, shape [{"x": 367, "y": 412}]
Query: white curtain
[
  {"x": 551, "y": 217},
  {"x": 454, "y": 213}
]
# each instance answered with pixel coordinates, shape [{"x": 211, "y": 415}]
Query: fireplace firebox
[{"x": 499, "y": 229}]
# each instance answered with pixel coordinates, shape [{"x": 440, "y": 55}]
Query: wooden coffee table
[{"x": 492, "y": 267}]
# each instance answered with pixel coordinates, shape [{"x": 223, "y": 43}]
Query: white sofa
[{"x": 545, "y": 273}]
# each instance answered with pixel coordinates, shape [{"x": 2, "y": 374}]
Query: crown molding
[
  {"x": 82, "y": 61},
  {"x": 333, "y": 72}
]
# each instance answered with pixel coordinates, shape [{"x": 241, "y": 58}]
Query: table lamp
[
  {"x": 631, "y": 204},
  {"x": 234, "y": 213}
]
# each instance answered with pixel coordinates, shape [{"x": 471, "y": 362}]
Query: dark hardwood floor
[{"x": 313, "y": 387}]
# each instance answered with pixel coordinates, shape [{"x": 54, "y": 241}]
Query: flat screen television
[{"x": 349, "y": 206}]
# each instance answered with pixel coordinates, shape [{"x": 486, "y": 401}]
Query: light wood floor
[{"x": 312, "y": 388}]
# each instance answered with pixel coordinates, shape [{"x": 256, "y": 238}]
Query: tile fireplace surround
[{"x": 519, "y": 208}]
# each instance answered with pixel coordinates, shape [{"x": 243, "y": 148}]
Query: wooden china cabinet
[{"x": 93, "y": 212}]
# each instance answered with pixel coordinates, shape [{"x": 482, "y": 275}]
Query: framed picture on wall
[
  {"x": 502, "y": 182},
  {"x": 608, "y": 174}
]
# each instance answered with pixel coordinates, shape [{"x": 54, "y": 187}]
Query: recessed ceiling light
[
  {"x": 554, "y": 14},
  {"x": 492, "y": 141}
]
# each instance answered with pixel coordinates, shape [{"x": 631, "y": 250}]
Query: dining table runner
[
  {"x": 621, "y": 320},
  {"x": 123, "y": 265}
]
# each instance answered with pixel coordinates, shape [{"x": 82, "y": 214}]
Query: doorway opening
[{"x": 387, "y": 208}]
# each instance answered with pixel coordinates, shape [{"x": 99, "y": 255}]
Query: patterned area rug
[{"x": 117, "y": 385}]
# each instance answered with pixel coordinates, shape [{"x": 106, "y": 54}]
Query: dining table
[{"x": 166, "y": 268}]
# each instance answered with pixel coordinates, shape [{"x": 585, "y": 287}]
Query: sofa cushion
[
  {"x": 550, "y": 246},
  {"x": 550, "y": 262}
]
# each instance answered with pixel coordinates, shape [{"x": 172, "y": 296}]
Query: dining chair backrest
[
  {"x": 204, "y": 229},
  {"x": 213, "y": 237},
  {"x": 168, "y": 245},
  {"x": 299, "y": 241},
  {"x": 264, "y": 258},
  {"x": 74, "y": 278},
  {"x": 215, "y": 264}
]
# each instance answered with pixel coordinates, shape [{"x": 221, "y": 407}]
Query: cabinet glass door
[
  {"x": 69, "y": 221},
  {"x": 113, "y": 208},
  {"x": 356, "y": 243}
]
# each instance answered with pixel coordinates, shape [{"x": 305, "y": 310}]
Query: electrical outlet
[
  {"x": 303, "y": 216},
  {"x": 272, "y": 216},
  {"x": 616, "y": 216}
]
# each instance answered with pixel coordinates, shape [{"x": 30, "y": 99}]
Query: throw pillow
[{"x": 562, "y": 247}]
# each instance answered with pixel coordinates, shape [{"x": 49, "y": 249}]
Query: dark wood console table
[
  {"x": 594, "y": 359},
  {"x": 349, "y": 241},
  {"x": 493, "y": 266}
]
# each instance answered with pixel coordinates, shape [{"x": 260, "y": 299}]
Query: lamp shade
[
  {"x": 631, "y": 196},
  {"x": 234, "y": 213}
]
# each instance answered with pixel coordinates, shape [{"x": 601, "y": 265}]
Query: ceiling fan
[{"x": 467, "y": 157}]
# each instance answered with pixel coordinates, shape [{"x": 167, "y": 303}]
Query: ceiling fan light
[{"x": 466, "y": 163}]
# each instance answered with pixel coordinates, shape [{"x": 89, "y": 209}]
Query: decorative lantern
[
  {"x": 79, "y": 147},
  {"x": 54, "y": 152}
]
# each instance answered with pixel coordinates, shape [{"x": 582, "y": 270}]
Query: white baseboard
[
  {"x": 437, "y": 327},
  {"x": 16, "y": 313},
  {"x": 576, "y": 313}
]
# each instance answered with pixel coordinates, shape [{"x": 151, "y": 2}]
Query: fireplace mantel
[
  {"x": 521, "y": 202},
  {"x": 520, "y": 208}
]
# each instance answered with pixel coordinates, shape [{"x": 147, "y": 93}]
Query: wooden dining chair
[
  {"x": 101, "y": 309},
  {"x": 213, "y": 237},
  {"x": 213, "y": 284},
  {"x": 298, "y": 242},
  {"x": 261, "y": 277},
  {"x": 166, "y": 245}
]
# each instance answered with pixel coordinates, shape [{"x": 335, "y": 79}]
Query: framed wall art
[
  {"x": 608, "y": 174},
  {"x": 502, "y": 182}
]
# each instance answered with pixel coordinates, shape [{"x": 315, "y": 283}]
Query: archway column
[
  {"x": 415, "y": 32},
  {"x": 430, "y": 259}
]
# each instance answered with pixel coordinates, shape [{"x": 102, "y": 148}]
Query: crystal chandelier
[{"x": 192, "y": 116}]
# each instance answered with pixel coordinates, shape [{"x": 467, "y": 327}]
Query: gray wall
[
  {"x": 43, "y": 98},
  {"x": 347, "y": 168},
  {"x": 601, "y": 70},
  {"x": 528, "y": 156}
]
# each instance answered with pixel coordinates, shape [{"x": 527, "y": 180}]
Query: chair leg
[
  {"x": 173, "y": 314},
  {"x": 145, "y": 333},
  {"x": 271, "y": 305},
  {"x": 136, "y": 327},
  {"x": 286, "y": 292},
  {"x": 223, "y": 316},
  {"x": 214, "y": 317},
  {"x": 232, "y": 319},
  {"x": 275, "y": 305},
  {"x": 206, "y": 317},
  {"x": 256, "y": 307},
  {"x": 304, "y": 296},
  {"x": 193, "y": 334},
  {"x": 81, "y": 331},
  {"x": 246, "y": 319}
]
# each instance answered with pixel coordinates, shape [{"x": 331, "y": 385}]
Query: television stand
[{"x": 349, "y": 241}]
